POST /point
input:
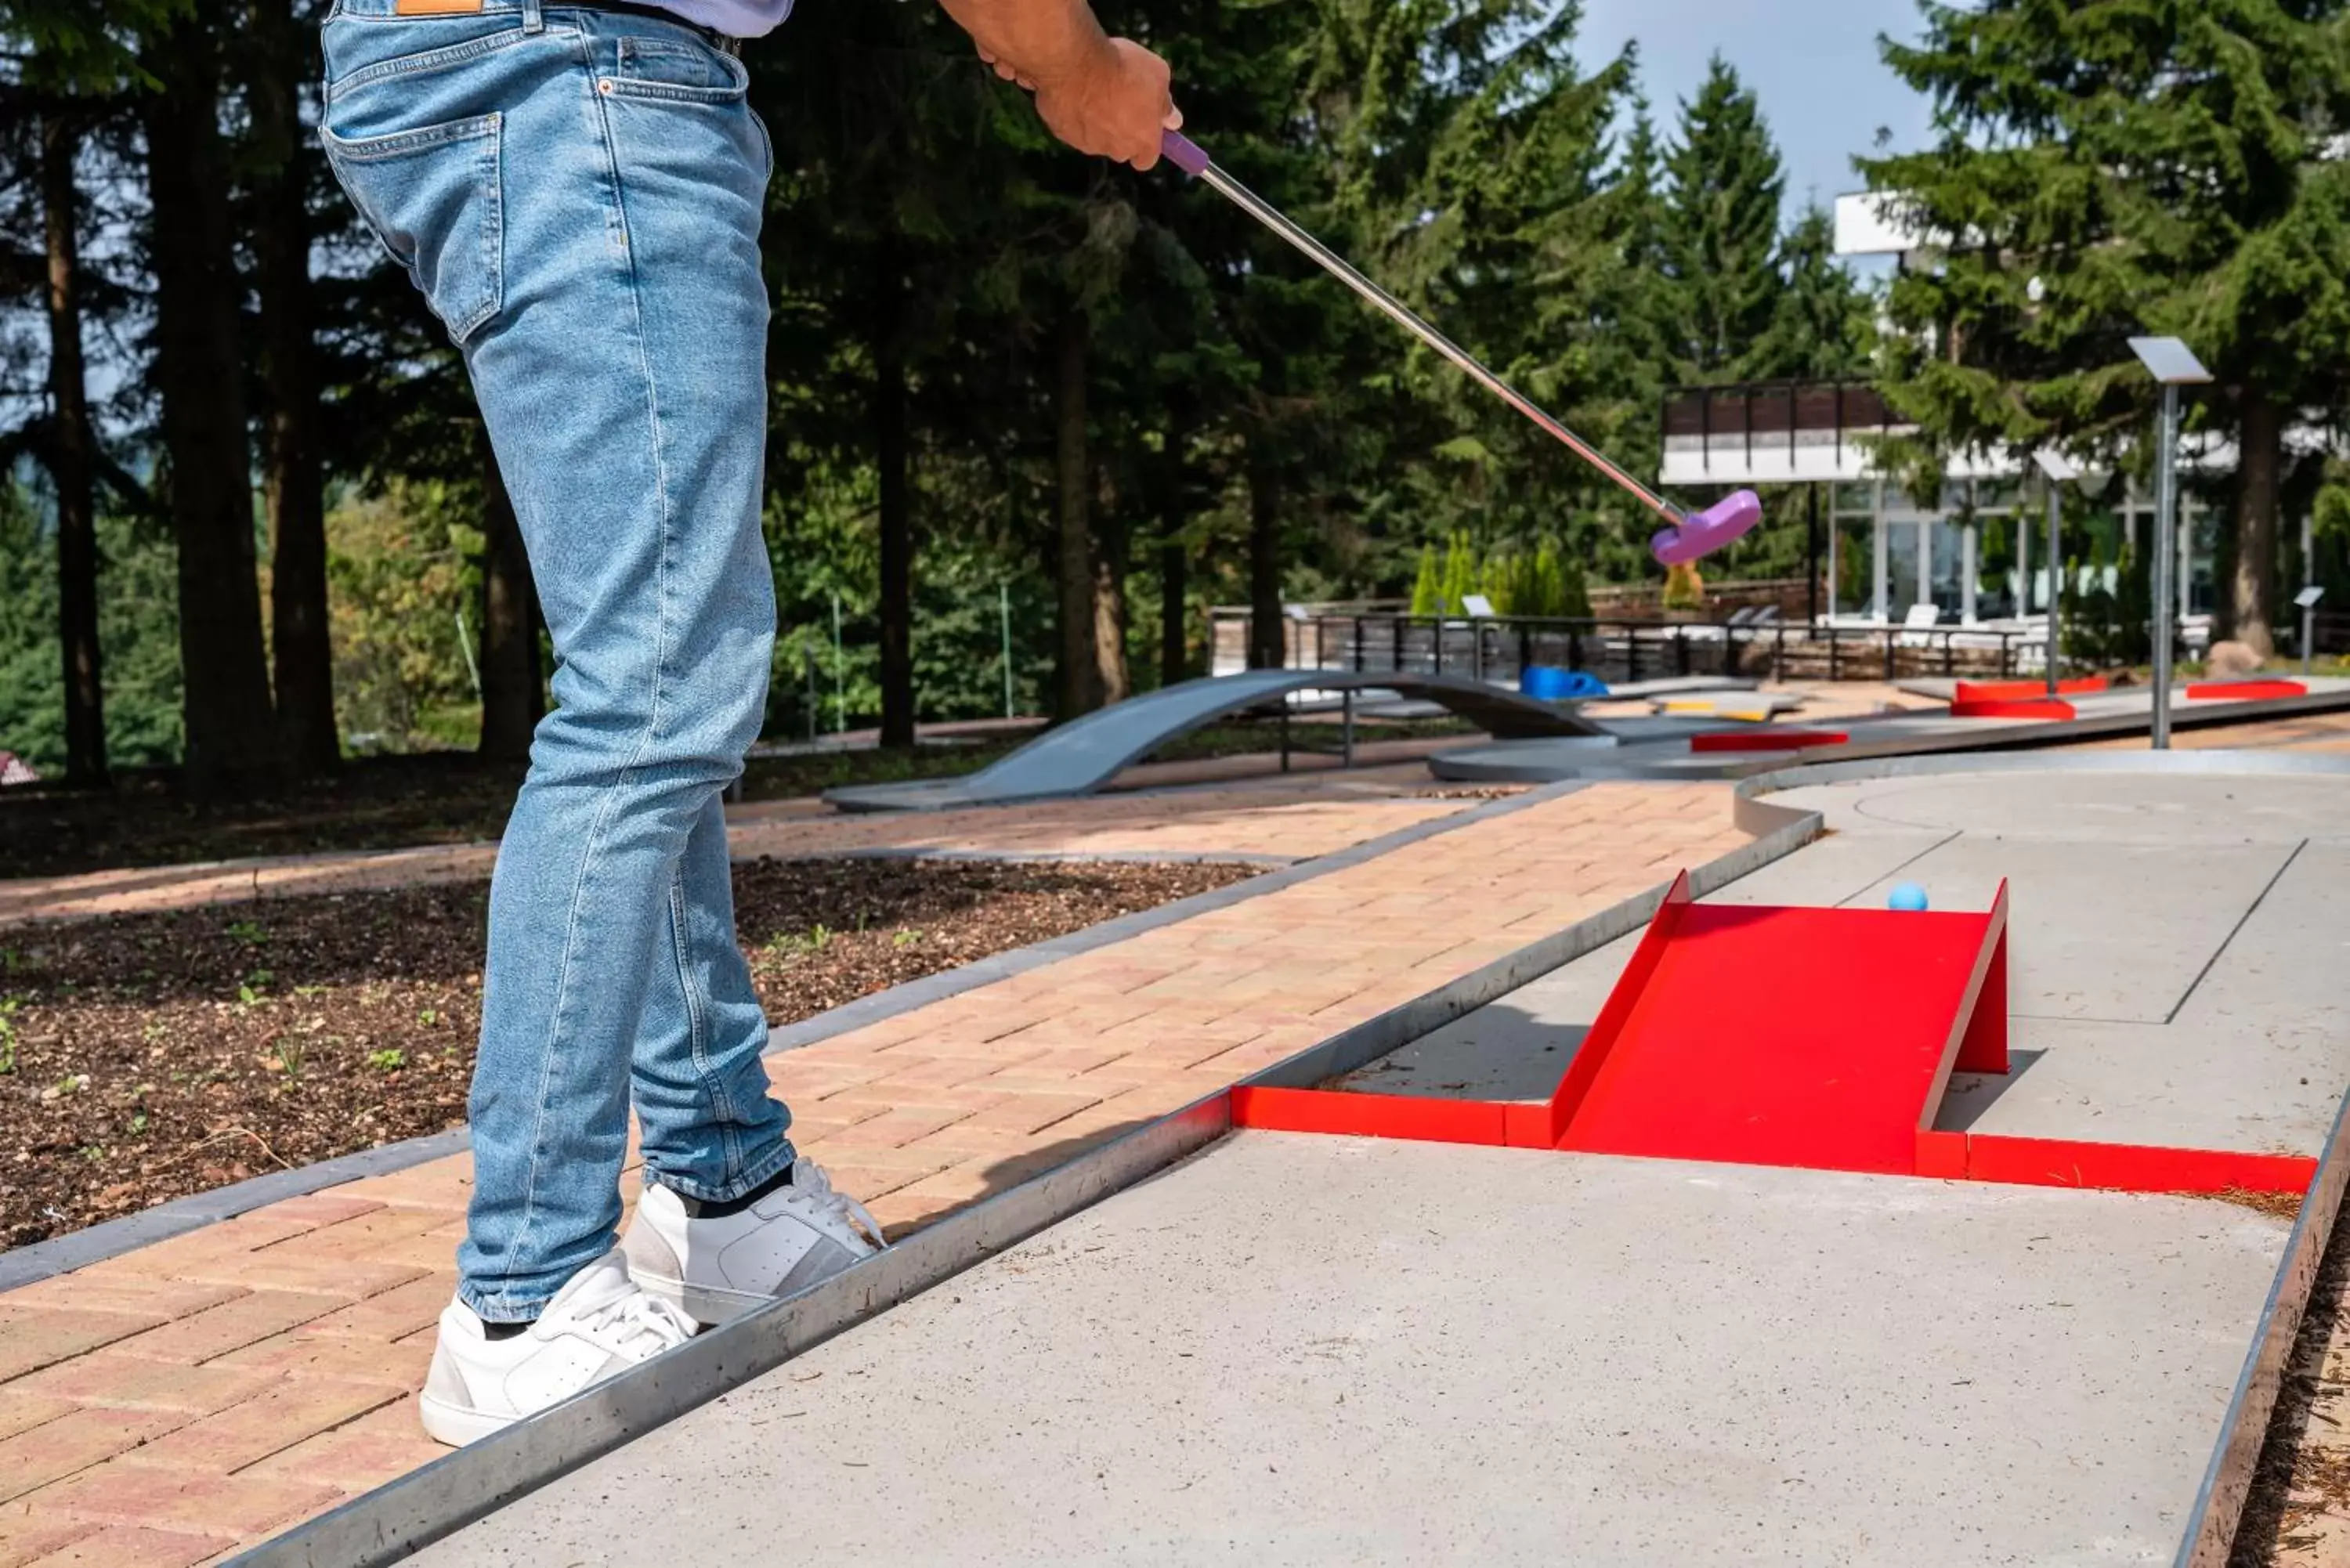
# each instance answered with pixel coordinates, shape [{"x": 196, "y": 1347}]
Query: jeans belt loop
[{"x": 532, "y": 21}]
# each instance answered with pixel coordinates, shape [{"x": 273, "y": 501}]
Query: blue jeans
[{"x": 578, "y": 194}]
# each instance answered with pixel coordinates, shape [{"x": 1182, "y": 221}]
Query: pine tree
[
  {"x": 2106, "y": 170},
  {"x": 1460, "y": 574},
  {"x": 1723, "y": 184},
  {"x": 1550, "y": 582},
  {"x": 1823, "y": 325},
  {"x": 1428, "y": 589}
]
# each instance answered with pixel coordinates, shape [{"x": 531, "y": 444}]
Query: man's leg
[
  {"x": 625, "y": 388},
  {"x": 578, "y": 196}
]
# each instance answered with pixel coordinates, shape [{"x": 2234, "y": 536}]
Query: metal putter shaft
[{"x": 1686, "y": 536}]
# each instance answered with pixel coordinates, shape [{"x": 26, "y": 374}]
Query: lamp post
[
  {"x": 2055, "y": 469},
  {"x": 2174, "y": 365}
]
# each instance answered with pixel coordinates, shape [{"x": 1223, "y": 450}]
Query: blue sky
[{"x": 1811, "y": 63}]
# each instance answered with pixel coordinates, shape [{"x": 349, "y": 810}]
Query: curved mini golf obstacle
[
  {"x": 1080, "y": 756},
  {"x": 1817, "y": 1039}
]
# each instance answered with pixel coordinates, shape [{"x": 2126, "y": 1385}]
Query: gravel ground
[{"x": 146, "y": 1057}]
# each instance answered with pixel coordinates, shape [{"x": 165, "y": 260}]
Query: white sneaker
[
  {"x": 718, "y": 1268},
  {"x": 598, "y": 1324}
]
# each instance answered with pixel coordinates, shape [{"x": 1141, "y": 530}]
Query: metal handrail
[{"x": 1624, "y": 648}]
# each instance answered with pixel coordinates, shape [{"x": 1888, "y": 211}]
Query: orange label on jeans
[{"x": 436, "y": 7}]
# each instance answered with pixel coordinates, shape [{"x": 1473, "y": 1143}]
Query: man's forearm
[{"x": 1042, "y": 41}]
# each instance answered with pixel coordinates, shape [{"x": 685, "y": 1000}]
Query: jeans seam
[{"x": 697, "y": 1023}]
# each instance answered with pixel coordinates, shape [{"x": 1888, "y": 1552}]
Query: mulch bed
[
  {"x": 372, "y": 802},
  {"x": 145, "y": 1057}
]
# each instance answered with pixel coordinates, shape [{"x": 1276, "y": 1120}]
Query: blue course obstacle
[
  {"x": 1080, "y": 756},
  {"x": 1549, "y": 683}
]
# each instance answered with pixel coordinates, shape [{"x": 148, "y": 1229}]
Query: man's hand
[
  {"x": 1113, "y": 106},
  {"x": 1103, "y": 95}
]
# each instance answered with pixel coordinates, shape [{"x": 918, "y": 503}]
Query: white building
[{"x": 1977, "y": 552}]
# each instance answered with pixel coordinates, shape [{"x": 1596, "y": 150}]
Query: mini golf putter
[{"x": 1686, "y": 536}]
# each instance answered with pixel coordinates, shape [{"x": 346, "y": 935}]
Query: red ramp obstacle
[
  {"x": 2244, "y": 690},
  {"x": 1814, "y": 1038}
]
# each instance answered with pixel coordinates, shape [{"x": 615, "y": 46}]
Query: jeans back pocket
[
  {"x": 681, "y": 70},
  {"x": 434, "y": 198}
]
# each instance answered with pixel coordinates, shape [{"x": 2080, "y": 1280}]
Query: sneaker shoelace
[
  {"x": 638, "y": 1325},
  {"x": 809, "y": 1180}
]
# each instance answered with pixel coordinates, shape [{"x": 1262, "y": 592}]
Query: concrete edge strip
[
  {"x": 2209, "y": 1537},
  {"x": 1464, "y": 767},
  {"x": 1748, "y": 791},
  {"x": 441, "y": 1498},
  {"x": 62, "y": 1254},
  {"x": 2210, "y": 1534}
]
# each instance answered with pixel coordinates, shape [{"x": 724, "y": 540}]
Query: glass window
[
  {"x": 1946, "y": 561},
  {"x": 1901, "y": 573}
]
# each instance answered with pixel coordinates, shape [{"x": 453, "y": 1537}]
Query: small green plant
[
  {"x": 138, "y": 1123},
  {"x": 428, "y": 1016},
  {"x": 819, "y": 936},
  {"x": 291, "y": 1054},
  {"x": 387, "y": 1061},
  {"x": 8, "y": 1007},
  {"x": 906, "y": 939},
  {"x": 248, "y": 932},
  {"x": 254, "y": 988}
]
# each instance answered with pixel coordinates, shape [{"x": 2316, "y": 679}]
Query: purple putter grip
[
  {"x": 1700, "y": 534},
  {"x": 1183, "y": 152}
]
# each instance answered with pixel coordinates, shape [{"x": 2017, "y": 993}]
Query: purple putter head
[{"x": 1700, "y": 534}]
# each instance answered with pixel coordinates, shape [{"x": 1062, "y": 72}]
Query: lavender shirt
[{"x": 735, "y": 19}]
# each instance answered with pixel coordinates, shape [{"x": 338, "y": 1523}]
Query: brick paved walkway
[
  {"x": 172, "y": 1404},
  {"x": 1299, "y": 817}
]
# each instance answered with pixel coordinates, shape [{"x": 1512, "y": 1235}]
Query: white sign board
[
  {"x": 2307, "y": 598},
  {"x": 1477, "y": 606}
]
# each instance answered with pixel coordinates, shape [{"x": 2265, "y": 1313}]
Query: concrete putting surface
[
  {"x": 1317, "y": 1350},
  {"x": 1311, "y": 1350}
]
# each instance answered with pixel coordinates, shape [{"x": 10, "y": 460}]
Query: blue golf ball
[{"x": 1907, "y": 896}]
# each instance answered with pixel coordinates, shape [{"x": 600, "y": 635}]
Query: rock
[{"x": 2230, "y": 659}]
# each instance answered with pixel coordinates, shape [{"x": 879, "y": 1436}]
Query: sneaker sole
[{"x": 454, "y": 1424}]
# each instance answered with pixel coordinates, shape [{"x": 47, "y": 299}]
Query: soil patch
[{"x": 145, "y": 1057}]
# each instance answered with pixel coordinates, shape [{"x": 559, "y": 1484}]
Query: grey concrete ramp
[
  {"x": 1086, "y": 754},
  {"x": 1321, "y": 1351}
]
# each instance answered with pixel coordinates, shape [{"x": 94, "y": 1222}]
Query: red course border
[
  {"x": 1761, "y": 739},
  {"x": 1816, "y": 1039},
  {"x": 2244, "y": 690}
]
